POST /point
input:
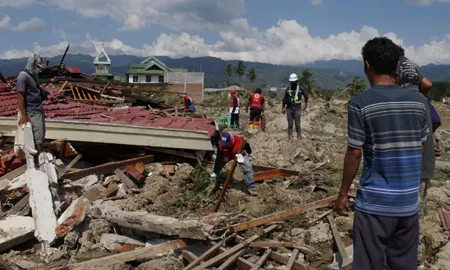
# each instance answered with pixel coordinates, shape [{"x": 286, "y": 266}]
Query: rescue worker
[
  {"x": 256, "y": 107},
  {"x": 188, "y": 104},
  {"x": 229, "y": 147},
  {"x": 292, "y": 105},
  {"x": 234, "y": 110}
]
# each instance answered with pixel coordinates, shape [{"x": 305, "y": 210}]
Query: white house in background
[
  {"x": 102, "y": 62},
  {"x": 151, "y": 70}
]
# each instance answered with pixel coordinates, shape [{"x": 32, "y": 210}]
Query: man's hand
[
  {"x": 24, "y": 119},
  {"x": 437, "y": 150},
  {"x": 283, "y": 110},
  {"x": 340, "y": 204}
]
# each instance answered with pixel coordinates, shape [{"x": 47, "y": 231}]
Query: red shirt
[
  {"x": 230, "y": 153},
  {"x": 256, "y": 101}
]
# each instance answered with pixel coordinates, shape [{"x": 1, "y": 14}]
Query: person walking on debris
[
  {"x": 188, "y": 104},
  {"x": 389, "y": 123},
  {"x": 30, "y": 96},
  {"x": 229, "y": 147},
  {"x": 411, "y": 78},
  {"x": 256, "y": 107},
  {"x": 292, "y": 105},
  {"x": 234, "y": 111}
]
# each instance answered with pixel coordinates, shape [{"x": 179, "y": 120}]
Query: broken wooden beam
[
  {"x": 189, "y": 228},
  {"x": 445, "y": 218},
  {"x": 260, "y": 263},
  {"x": 271, "y": 244},
  {"x": 266, "y": 175},
  {"x": 284, "y": 260},
  {"x": 18, "y": 207},
  {"x": 127, "y": 181},
  {"x": 292, "y": 259},
  {"x": 230, "y": 252},
  {"x": 225, "y": 185},
  {"x": 205, "y": 256},
  {"x": 15, "y": 230},
  {"x": 231, "y": 260},
  {"x": 14, "y": 173},
  {"x": 346, "y": 260},
  {"x": 141, "y": 254},
  {"x": 69, "y": 166},
  {"x": 284, "y": 214},
  {"x": 108, "y": 168}
]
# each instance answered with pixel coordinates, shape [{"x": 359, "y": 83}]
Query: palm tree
[
  {"x": 356, "y": 86},
  {"x": 306, "y": 81},
  {"x": 251, "y": 75},
  {"x": 228, "y": 72},
  {"x": 240, "y": 69}
]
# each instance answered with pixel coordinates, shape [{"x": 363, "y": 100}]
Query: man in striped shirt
[{"x": 388, "y": 123}]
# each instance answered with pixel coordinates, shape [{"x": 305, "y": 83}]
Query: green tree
[
  {"x": 356, "y": 86},
  {"x": 228, "y": 72},
  {"x": 306, "y": 81},
  {"x": 240, "y": 69},
  {"x": 251, "y": 75}
]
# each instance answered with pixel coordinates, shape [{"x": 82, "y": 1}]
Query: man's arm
[
  {"x": 21, "y": 86},
  {"x": 248, "y": 149},
  {"x": 234, "y": 104},
  {"x": 425, "y": 86}
]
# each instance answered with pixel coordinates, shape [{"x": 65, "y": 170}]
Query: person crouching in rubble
[
  {"x": 229, "y": 147},
  {"x": 30, "y": 96},
  {"x": 188, "y": 104}
]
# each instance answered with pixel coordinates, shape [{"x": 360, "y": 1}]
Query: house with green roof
[{"x": 154, "y": 71}]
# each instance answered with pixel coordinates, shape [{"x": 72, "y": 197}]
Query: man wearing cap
[
  {"x": 234, "y": 109},
  {"x": 230, "y": 147},
  {"x": 292, "y": 105},
  {"x": 30, "y": 96}
]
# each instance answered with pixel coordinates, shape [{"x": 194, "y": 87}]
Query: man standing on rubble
[
  {"x": 30, "y": 96},
  {"x": 256, "y": 107},
  {"x": 292, "y": 105},
  {"x": 234, "y": 109},
  {"x": 230, "y": 147},
  {"x": 390, "y": 124}
]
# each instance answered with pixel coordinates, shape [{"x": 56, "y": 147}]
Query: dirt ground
[{"x": 324, "y": 142}]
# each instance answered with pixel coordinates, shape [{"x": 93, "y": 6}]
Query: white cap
[{"x": 293, "y": 77}]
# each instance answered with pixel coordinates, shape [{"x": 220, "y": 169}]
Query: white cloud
[
  {"x": 316, "y": 2},
  {"x": 18, "y": 3},
  {"x": 426, "y": 2},
  {"x": 288, "y": 42},
  {"x": 32, "y": 25}
]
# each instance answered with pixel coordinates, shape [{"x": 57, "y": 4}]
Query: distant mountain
[{"x": 333, "y": 74}]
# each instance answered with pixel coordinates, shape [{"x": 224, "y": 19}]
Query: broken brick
[{"x": 72, "y": 217}]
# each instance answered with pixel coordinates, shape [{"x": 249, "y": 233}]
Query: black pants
[
  {"x": 294, "y": 114},
  {"x": 255, "y": 116},
  {"x": 378, "y": 237},
  {"x": 235, "y": 120}
]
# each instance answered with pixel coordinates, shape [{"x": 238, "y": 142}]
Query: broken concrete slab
[
  {"x": 15, "y": 230},
  {"x": 92, "y": 194},
  {"x": 191, "y": 228},
  {"x": 87, "y": 181},
  {"x": 111, "y": 190},
  {"x": 72, "y": 217},
  {"x": 119, "y": 243},
  {"x": 41, "y": 203}
]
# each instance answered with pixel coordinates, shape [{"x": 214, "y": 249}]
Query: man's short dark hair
[
  {"x": 258, "y": 90},
  {"x": 383, "y": 55}
]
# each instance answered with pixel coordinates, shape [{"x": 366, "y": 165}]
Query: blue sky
[{"x": 281, "y": 32}]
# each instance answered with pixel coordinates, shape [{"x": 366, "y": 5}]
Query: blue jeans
[{"x": 246, "y": 167}]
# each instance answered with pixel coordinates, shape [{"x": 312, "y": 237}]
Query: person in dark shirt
[
  {"x": 292, "y": 105},
  {"x": 234, "y": 109}
]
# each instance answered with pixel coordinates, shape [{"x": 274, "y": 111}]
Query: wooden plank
[
  {"x": 73, "y": 92},
  {"x": 188, "y": 256},
  {"x": 69, "y": 166},
  {"x": 271, "y": 244},
  {"x": 283, "y": 214},
  {"x": 18, "y": 207},
  {"x": 223, "y": 256},
  {"x": 14, "y": 173},
  {"x": 127, "y": 181},
  {"x": 205, "y": 256},
  {"x": 78, "y": 92},
  {"x": 292, "y": 259},
  {"x": 285, "y": 260},
  {"x": 260, "y": 263},
  {"x": 83, "y": 91},
  {"x": 63, "y": 86},
  {"x": 225, "y": 185},
  {"x": 141, "y": 254},
  {"x": 108, "y": 168},
  {"x": 89, "y": 95},
  {"x": 346, "y": 261},
  {"x": 231, "y": 260},
  {"x": 242, "y": 263},
  {"x": 104, "y": 88}
]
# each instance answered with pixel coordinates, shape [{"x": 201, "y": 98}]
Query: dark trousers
[
  {"x": 235, "y": 120},
  {"x": 378, "y": 237},
  {"x": 294, "y": 115},
  {"x": 255, "y": 116}
]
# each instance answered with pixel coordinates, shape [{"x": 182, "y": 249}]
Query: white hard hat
[{"x": 293, "y": 77}]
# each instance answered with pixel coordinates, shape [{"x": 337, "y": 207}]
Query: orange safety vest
[{"x": 256, "y": 100}]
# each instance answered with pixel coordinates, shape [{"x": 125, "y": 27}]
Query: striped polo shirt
[{"x": 389, "y": 123}]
